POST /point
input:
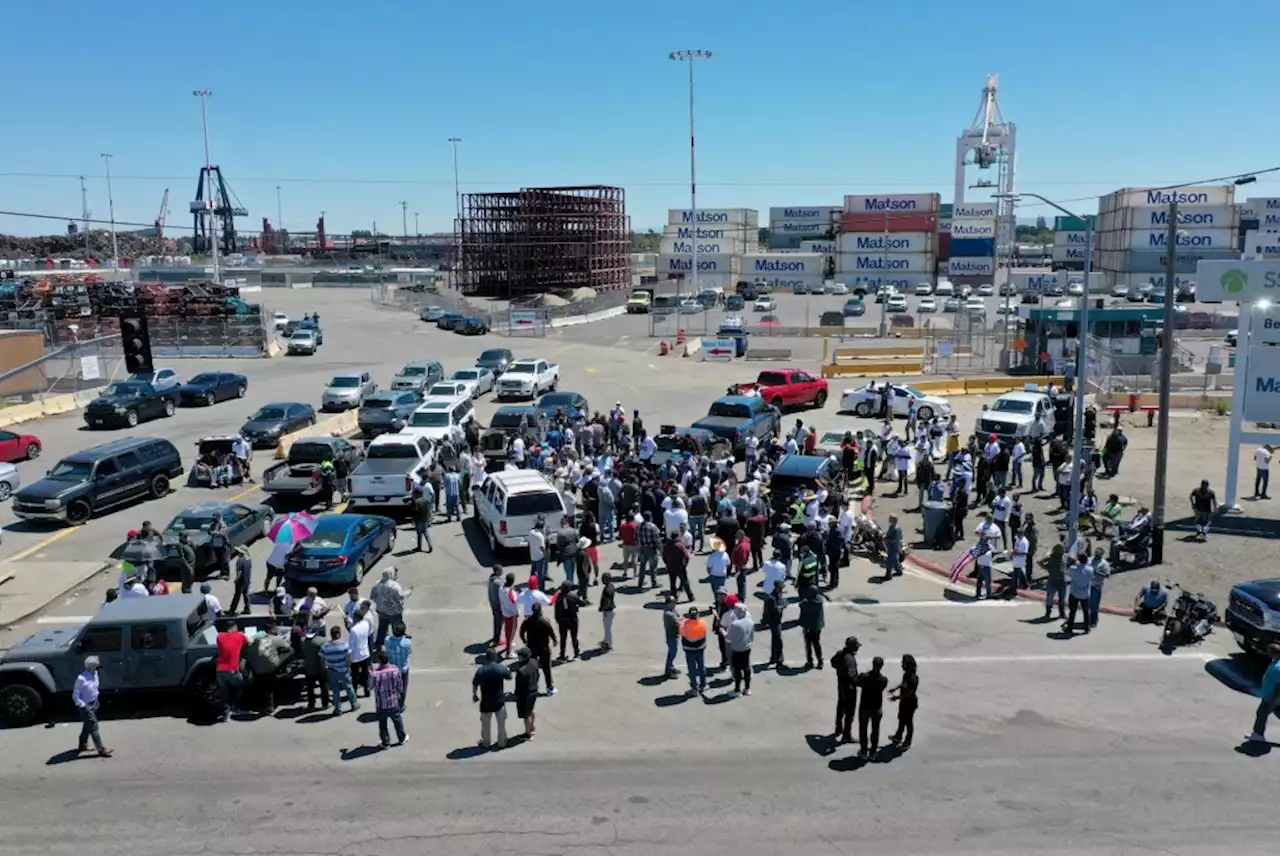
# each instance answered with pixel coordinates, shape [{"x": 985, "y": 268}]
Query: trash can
[
  {"x": 936, "y": 514},
  {"x": 1134, "y": 400}
]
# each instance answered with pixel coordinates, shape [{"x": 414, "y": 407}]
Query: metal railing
[{"x": 74, "y": 368}]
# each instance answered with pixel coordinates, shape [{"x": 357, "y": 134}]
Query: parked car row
[{"x": 463, "y": 325}]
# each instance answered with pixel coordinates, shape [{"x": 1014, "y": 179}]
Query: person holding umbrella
[{"x": 140, "y": 554}]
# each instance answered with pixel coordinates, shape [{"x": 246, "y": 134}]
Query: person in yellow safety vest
[
  {"x": 328, "y": 481},
  {"x": 797, "y": 512},
  {"x": 807, "y": 575},
  {"x": 693, "y": 638}
]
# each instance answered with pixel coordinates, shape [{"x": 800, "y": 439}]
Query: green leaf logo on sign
[{"x": 1234, "y": 281}]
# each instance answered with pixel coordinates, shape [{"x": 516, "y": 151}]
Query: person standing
[
  {"x": 1261, "y": 481},
  {"x": 536, "y": 632},
  {"x": 388, "y": 597},
  {"x": 220, "y": 547},
  {"x": 834, "y": 548},
  {"x": 266, "y": 655},
  {"x": 186, "y": 562},
  {"x": 608, "y": 595},
  {"x": 85, "y": 695},
  {"x": 775, "y": 604},
  {"x": 1000, "y": 510},
  {"x": 1056, "y": 582},
  {"x": 741, "y": 559},
  {"x": 423, "y": 510},
  {"x": 538, "y": 550},
  {"x": 359, "y": 637},
  {"x": 228, "y": 669},
  {"x": 1021, "y": 551},
  {"x": 488, "y": 689},
  {"x": 906, "y": 694},
  {"x": 649, "y": 537},
  {"x": 1269, "y": 699},
  {"x": 510, "y": 612},
  {"x": 567, "y": 606},
  {"x": 1204, "y": 502},
  {"x": 717, "y": 568},
  {"x": 387, "y": 687},
  {"x": 452, "y": 494},
  {"x": 671, "y": 631},
  {"x": 740, "y": 632},
  {"x": 812, "y": 620},
  {"x": 399, "y": 649},
  {"x": 1079, "y": 587},
  {"x": 892, "y": 548},
  {"x": 337, "y": 661},
  {"x": 313, "y": 667},
  {"x": 845, "y": 664},
  {"x": 1016, "y": 459},
  {"x": 1037, "y": 466},
  {"x": 526, "y": 690},
  {"x": 1101, "y": 570},
  {"x": 494, "y": 590},
  {"x": 693, "y": 639},
  {"x": 243, "y": 584},
  {"x": 871, "y": 708},
  {"x": 676, "y": 554}
]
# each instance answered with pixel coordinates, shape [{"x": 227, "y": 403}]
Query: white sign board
[
  {"x": 523, "y": 319},
  {"x": 1242, "y": 280},
  {"x": 719, "y": 350},
  {"x": 1262, "y": 384},
  {"x": 90, "y": 368},
  {"x": 1265, "y": 329}
]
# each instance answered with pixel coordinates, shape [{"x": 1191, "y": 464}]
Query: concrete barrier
[
  {"x": 692, "y": 347},
  {"x": 299, "y": 285},
  {"x": 873, "y": 369},
  {"x": 1002, "y": 384},
  {"x": 1177, "y": 401},
  {"x": 343, "y": 424},
  {"x": 877, "y": 351},
  {"x": 941, "y": 387},
  {"x": 50, "y": 405},
  {"x": 772, "y": 354}
]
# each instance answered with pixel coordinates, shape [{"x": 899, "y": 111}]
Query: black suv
[
  {"x": 100, "y": 478},
  {"x": 129, "y": 402}
]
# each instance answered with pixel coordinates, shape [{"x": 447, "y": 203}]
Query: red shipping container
[
  {"x": 890, "y": 222},
  {"x": 944, "y": 246}
]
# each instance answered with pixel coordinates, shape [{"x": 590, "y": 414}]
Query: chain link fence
[
  {"x": 497, "y": 314},
  {"x": 79, "y": 367}
]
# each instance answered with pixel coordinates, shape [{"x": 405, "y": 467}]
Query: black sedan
[
  {"x": 245, "y": 524},
  {"x": 212, "y": 387},
  {"x": 552, "y": 403},
  {"x": 471, "y": 327},
  {"x": 449, "y": 321},
  {"x": 265, "y": 427},
  {"x": 495, "y": 360}
]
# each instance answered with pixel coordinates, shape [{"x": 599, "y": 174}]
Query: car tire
[
  {"x": 159, "y": 486},
  {"x": 169, "y": 408},
  {"x": 131, "y": 418},
  {"x": 359, "y": 574},
  {"x": 202, "y": 693},
  {"x": 924, "y": 413},
  {"x": 20, "y": 704},
  {"x": 79, "y": 512},
  {"x": 777, "y": 402},
  {"x": 210, "y": 399},
  {"x": 33, "y": 451},
  {"x": 821, "y": 400},
  {"x": 6, "y": 490},
  {"x": 241, "y": 390},
  {"x": 862, "y": 409},
  {"x": 391, "y": 543}
]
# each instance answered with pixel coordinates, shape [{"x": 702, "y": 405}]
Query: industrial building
[{"x": 543, "y": 239}]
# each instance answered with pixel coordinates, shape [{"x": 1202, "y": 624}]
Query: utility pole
[
  {"x": 204, "y": 95},
  {"x": 880, "y": 290},
  {"x": 111, "y": 208},
  {"x": 1166, "y": 381},
  {"x": 404, "y": 220},
  {"x": 84, "y": 213},
  {"x": 691, "y": 57},
  {"x": 457, "y": 215},
  {"x": 417, "y": 233}
]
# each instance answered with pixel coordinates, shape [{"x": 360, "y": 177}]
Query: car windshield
[
  {"x": 466, "y": 374},
  {"x": 72, "y": 471},
  {"x": 204, "y": 380},
  {"x": 733, "y": 411},
  {"x": 126, "y": 389},
  {"x": 506, "y": 420},
  {"x": 345, "y": 382},
  {"x": 493, "y": 355},
  {"x": 189, "y": 523},
  {"x": 265, "y": 413},
  {"x": 413, "y": 371},
  {"x": 377, "y": 403},
  {"x": 327, "y": 537},
  {"x": 302, "y": 334},
  {"x": 393, "y": 450},
  {"x": 1011, "y": 405},
  {"x": 429, "y": 419},
  {"x": 523, "y": 368},
  {"x": 446, "y": 389},
  {"x": 556, "y": 399},
  {"x": 529, "y": 504}
]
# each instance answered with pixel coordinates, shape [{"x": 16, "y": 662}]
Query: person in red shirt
[
  {"x": 756, "y": 525},
  {"x": 628, "y": 535},
  {"x": 741, "y": 558},
  {"x": 811, "y": 441},
  {"x": 230, "y": 644}
]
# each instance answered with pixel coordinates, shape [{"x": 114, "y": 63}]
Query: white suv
[{"x": 509, "y": 502}]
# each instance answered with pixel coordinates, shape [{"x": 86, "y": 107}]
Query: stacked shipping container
[
  {"x": 1069, "y": 239},
  {"x": 786, "y": 271},
  {"x": 973, "y": 240},
  {"x": 888, "y": 239},
  {"x": 1132, "y": 241},
  {"x": 790, "y": 226},
  {"x": 1260, "y": 227},
  {"x": 720, "y": 234}
]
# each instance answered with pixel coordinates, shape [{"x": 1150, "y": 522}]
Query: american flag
[{"x": 967, "y": 557}]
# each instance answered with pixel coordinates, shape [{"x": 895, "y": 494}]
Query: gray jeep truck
[{"x": 145, "y": 645}]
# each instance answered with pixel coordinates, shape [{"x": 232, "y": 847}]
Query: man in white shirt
[
  {"x": 988, "y": 529},
  {"x": 992, "y": 449},
  {"x": 358, "y": 638},
  {"x": 753, "y": 449},
  {"x": 774, "y": 571},
  {"x": 845, "y": 523},
  {"x": 648, "y": 448},
  {"x": 538, "y": 551},
  {"x": 1021, "y": 547},
  {"x": 984, "y": 557},
  {"x": 133, "y": 588},
  {"x": 1262, "y": 460},
  {"x": 717, "y": 570},
  {"x": 211, "y": 603},
  {"x": 530, "y": 596},
  {"x": 791, "y": 446},
  {"x": 675, "y": 517},
  {"x": 892, "y": 397},
  {"x": 1000, "y": 513},
  {"x": 517, "y": 451}
]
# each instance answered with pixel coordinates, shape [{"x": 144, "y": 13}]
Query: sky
[{"x": 348, "y": 108}]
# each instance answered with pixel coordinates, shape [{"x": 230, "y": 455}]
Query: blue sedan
[
  {"x": 340, "y": 550},
  {"x": 212, "y": 387}
]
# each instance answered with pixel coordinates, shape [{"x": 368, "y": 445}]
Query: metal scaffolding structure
[{"x": 543, "y": 239}]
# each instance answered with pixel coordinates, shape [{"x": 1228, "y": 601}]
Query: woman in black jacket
[
  {"x": 607, "y": 606},
  {"x": 775, "y": 603}
]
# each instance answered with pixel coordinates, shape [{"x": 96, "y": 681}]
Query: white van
[
  {"x": 435, "y": 418},
  {"x": 509, "y": 502},
  {"x": 944, "y": 288}
]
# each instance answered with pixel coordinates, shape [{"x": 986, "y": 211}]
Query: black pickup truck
[
  {"x": 1253, "y": 615},
  {"x": 737, "y": 417},
  {"x": 299, "y": 475},
  {"x": 129, "y": 402}
]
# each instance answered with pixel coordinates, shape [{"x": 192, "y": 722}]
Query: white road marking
[
  {"x": 64, "y": 619},
  {"x": 922, "y": 604}
]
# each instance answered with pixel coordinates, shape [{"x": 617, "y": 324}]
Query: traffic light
[{"x": 136, "y": 339}]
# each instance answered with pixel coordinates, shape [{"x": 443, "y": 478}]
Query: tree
[
  {"x": 361, "y": 233},
  {"x": 645, "y": 243},
  {"x": 1041, "y": 224}
]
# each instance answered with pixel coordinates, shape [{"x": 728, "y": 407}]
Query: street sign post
[{"x": 718, "y": 350}]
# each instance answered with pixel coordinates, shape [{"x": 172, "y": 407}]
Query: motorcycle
[
  {"x": 1191, "y": 620},
  {"x": 867, "y": 535}
]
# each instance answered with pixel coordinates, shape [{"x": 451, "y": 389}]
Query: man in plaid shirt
[
  {"x": 387, "y": 689},
  {"x": 399, "y": 646},
  {"x": 649, "y": 537}
]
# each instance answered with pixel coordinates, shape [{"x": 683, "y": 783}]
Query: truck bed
[{"x": 290, "y": 479}]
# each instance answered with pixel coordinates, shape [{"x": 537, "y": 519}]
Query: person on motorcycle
[{"x": 1151, "y": 603}]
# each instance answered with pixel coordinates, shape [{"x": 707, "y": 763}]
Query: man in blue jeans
[
  {"x": 1101, "y": 570},
  {"x": 893, "y": 548},
  {"x": 337, "y": 660},
  {"x": 693, "y": 638},
  {"x": 671, "y": 626},
  {"x": 1269, "y": 694}
]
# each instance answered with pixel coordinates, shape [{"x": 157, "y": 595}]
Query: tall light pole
[
  {"x": 111, "y": 208},
  {"x": 404, "y": 220},
  {"x": 204, "y": 95},
  {"x": 1082, "y": 340},
  {"x": 417, "y": 233},
  {"x": 457, "y": 214},
  {"x": 279, "y": 210},
  {"x": 691, "y": 57}
]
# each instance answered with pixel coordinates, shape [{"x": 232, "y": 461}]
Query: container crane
[
  {"x": 993, "y": 143},
  {"x": 163, "y": 217},
  {"x": 224, "y": 207}
]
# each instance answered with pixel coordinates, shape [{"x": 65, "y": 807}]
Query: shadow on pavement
[
  {"x": 360, "y": 752},
  {"x": 1238, "y": 672},
  {"x": 821, "y": 744}
]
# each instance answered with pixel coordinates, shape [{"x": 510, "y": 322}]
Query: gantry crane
[
  {"x": 216, "y": 207},
  {"x": 993, "y": 142},
  {"x": 163, "y": 217}
]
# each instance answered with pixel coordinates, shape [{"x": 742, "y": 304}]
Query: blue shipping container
[{"x": 973, "y": 248}]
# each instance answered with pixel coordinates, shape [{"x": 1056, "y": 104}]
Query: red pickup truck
[{"x": 785, "y": 388}]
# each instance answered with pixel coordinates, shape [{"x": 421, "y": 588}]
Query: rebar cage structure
[{"x": 543, "y": 239}]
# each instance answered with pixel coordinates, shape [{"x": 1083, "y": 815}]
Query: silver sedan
[
  {"x": 479, "y": 379},
  {"x": 10, "y": 480}
]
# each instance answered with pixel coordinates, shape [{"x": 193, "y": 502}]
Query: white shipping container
[
  {"x": 1269, "y": 221},
  {"x": 676, "y": 247},
  {"x": 713, "y": 216},
  {"x": 894, "y": 242},
  {"x": 1138, "y": 197},
  {"x": 826, "y": 214},
  {"x": 1193, "y": 216},
  {"x": 902, "y": 282},
  {"x": 770, "y": 264},
  {"x": 1157, "y": 280},
  {"x": 704, "y": 233},
  {"x": 969, "y": 228},
  {"x": 971, "y": 267},
  {"x": 1158, "y": 239},
  {"x": 1072, "y": 239},
  {"x": 1248, "y": 211},
  {"x": 1264, "y": 203},
  {"x": 668, "y": 264},
  {"x": 974, "y": 210},
  {"x": 1259, "y": 243},
  {"x": 788, "y": 282},
  {"x": 1038, "y": 282},
  {"x": 881, "y": 263},
  {"x": 790, "y": 228},
  {"x": 1068, "y": 254},
  {"x": 827, "y": 248},
  {"x": 920, "y": 203}
]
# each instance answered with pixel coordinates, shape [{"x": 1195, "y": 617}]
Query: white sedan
[
  {"x": 478, "y": 380},
  {"x": 764, "y": 304},
  {"x": 1119, "y": 290},
  {"x": 927, "y": 304},
  {"x": 279, "y": 321},
  {"x": 838, "y": 288},
  {"x": 689, "y": 306},
  {"x": 896, "y": 303},
  {"x": 1008, "y": 306},
  {"x": 923, "y": 288},
  {"x": 865, "y": 401},
  {"x": 986, "y": 290}
]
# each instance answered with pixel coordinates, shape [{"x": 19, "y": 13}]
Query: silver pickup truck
[{"x": 394, "y": 464}]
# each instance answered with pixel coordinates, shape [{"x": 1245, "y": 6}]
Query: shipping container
[
  {"x": 875, "y": 242},
  {"x": 1249, "y": 210},
  {"x": 1069, "y": 254},
  {"x": 1192, "y": 216},
  {"x": 704, "y": 233},
  {"x": 902, "y": 282},
  {"x": 784, "y": 242},
  {"x": 1138, "y": 197},
  {"x": 875, "y": 263},
  {"x": 975, "y": 210},
  {"x": 945, "y": 209},
  {"x": 821, "y": 214},
  {"x": 801, "y": 230},
  {"x": 706, "y": 264},
  {"x": 970, "y": 266},
  {"x": 889, "y": 222},
  {"x": 944, "y": 226},
  {"x": 795, "y": 264},
  {"x": 677, "y": 247},
  {"x": 1074, "y": 224},
  {"x": 789, "y": 282},
  {"x": 713, "y": 216},
  {"x": 670, "y": 283},
  {"x": 1264, "y": 203},
  {"x": 973, "y": 247},
  {"x": 1157, "y": 239},
  {"x": 944, "y": 247},
  {"x": 1157, "y": 281},
  {"x": 827, "y": 248},
  {"x": 908, "y": 203},
  {"x": 1258, "y": 243},
  {"x": 1143, "y": 261},
  {"x": 1073, "y": 239},
  {"x": 973, "y": 228},
  {"x": 1038, "y": 281}
]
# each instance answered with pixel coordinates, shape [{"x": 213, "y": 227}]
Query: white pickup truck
[
  {"x": 393, "y": 465},
  {"x": 1017, "y": 415},
  {"x": 528, "y": 379}
]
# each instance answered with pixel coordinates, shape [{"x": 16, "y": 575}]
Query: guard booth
[{"x": 1130, "y": 335}]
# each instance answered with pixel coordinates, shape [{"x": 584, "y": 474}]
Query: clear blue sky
[{"x": 348, "y": 106}]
